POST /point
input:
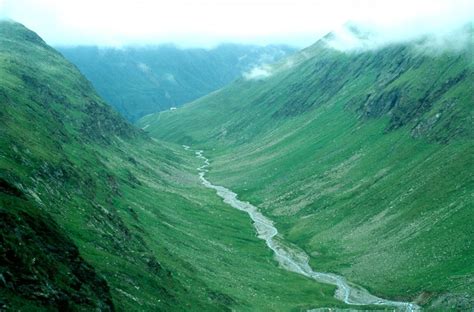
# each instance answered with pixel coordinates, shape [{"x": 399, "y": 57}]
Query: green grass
[
  {"x": 216, "y": 243},
  {"x": 133, "y": 207},
  {"x": 363, "y": 159}
]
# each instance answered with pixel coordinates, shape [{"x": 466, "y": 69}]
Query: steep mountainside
[
  {"x": 363, "y": 158},
  {"x": 140, "y": 81},
  {"x": 95, "y": 215}
]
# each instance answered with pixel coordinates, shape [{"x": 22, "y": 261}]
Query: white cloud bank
[
  {"x": 207, "y": 22},
  {"x": 257, "y": 73},
  {"x": 360, "y": 37}
]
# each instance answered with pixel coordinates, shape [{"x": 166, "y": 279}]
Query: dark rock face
[{"x": 40, "y": 264}]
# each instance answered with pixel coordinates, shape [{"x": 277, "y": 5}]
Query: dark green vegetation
[
  {"x": 141, "y": 81},
  {"x": 364, "y": 159},
  {"x": 95, "y": 214},
  {"x": 39, "y": 263}
]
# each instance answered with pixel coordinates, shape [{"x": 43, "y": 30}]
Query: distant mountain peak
[
  {"x": 16, "y": 31},
  {"x": 350, "y": 36},
  {"x": 52, "y": 83}
]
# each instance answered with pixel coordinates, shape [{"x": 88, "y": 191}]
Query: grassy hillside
[
  {"x": 96, "y": 215},
  {"x": 364, "y": 159},
  {"x": 140, "y": 81}
]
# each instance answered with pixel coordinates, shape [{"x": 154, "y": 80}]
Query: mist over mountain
[
  {"x": 142, "y": 80},
  {"x": 359, "y": 37},
  {"x": 206, "y": 23},
  {"x": 362, "y": 157},
  {"x": 242, "y": 177},
  {"x": 96, "y": 215}
]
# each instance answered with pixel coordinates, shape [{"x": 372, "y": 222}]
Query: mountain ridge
[
  {"x": 360, "y": 157},
  {"x": 141, "y": 80},
  {"x": 114, "y": 219}
]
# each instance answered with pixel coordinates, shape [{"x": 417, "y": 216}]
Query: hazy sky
[{"x": 207, "y": 22}]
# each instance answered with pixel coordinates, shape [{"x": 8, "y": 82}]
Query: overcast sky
[{"x": 207, "y": 22}]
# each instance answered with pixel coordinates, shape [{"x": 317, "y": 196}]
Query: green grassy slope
[
  {"x": 109, "y": 218},
  {"x": 39, "y": 264},
  {"x": 142, "y": 80},
  {"x": 364, "y": 159}
]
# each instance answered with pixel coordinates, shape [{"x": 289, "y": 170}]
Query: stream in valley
[{"x": 291, "y": 257}]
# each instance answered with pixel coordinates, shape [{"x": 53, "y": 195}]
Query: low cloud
[
  {"x": 193, "y": 23},
  {"x": 144, "y": 67},
  {"x": 258, "y": 73},
  {"x": 170, "y": 78},
  {"x": 446, "y": 35}
]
